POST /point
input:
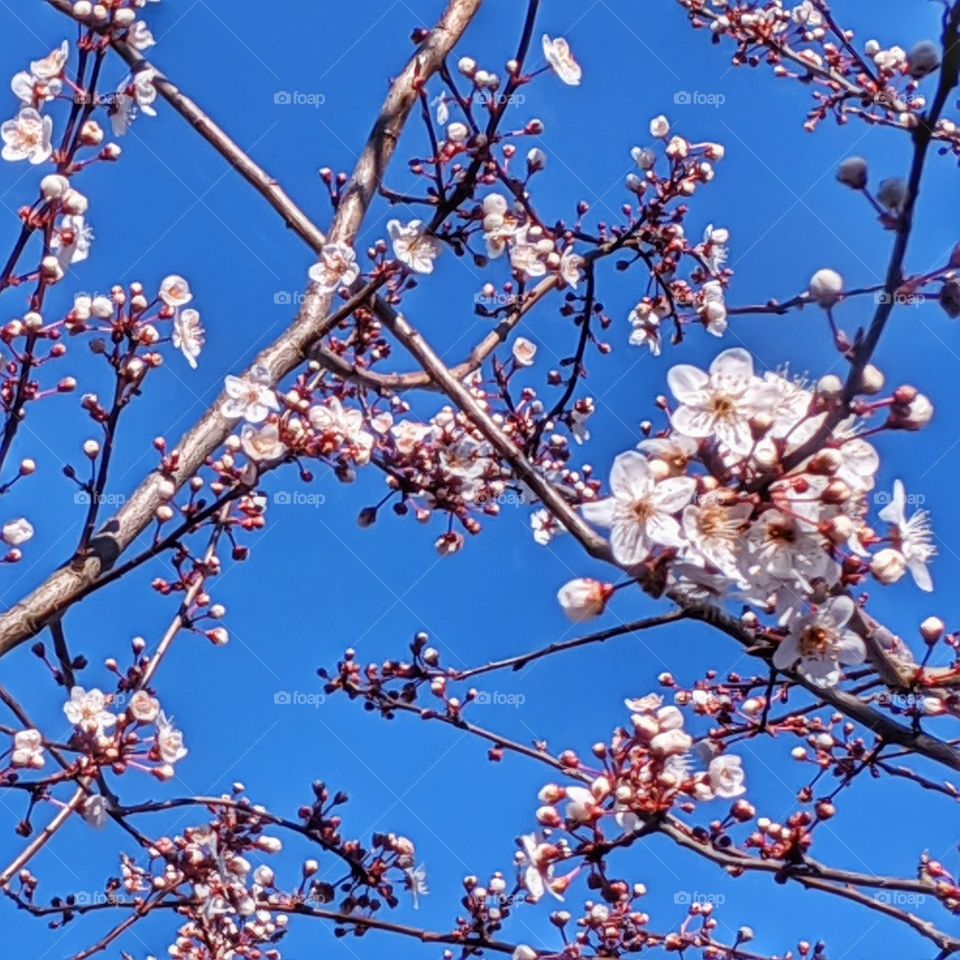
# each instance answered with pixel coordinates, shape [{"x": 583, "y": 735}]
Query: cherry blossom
[
  {"x": 820, "y": 642},
  {"x": 413, "y": 246},
  {"x": 263, "y": 444},
  {"x": 53, "y": 64},
  {"x": 646, "y": 328},
  {"x": 139, "y": 36},
  {"x": 727, "y": 777},
  {"x": 337, "y": 267},
  {"x": 641, "y": 512},
  {"x": 28, "y": 749},
  {"x": 17, "y": 532},
  {"x": 524, "y": 351},
  {"x": 28, "y": 137},
  {"x": 188, "y": 335},
  {"x": 713, "y": 528},
  {"x": 720, "y": 404},
  {"x": 175, "y": 291},
  {"x": 71, "y": 240},
  {"x": 826, "y": 287},
  {"x": 33, "y": 90},
  {"x": 143, "y": 707},
  {"x": 347, "y": 426},
  {"x": 557, "y": 52},
  {"x": 96, "y": 811},
  {"x": 251, "y": 397},
  {"x": 584, "y": 599},
  {"x": 169, "y": 740},
  {"x": 87, "y": 709},
  {"x": 912, "y": 538}
]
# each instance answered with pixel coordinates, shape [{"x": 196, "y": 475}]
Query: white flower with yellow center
[
  {"x": 720, "y": 403},
  {"x": 820, "y": 642},
  {"x": 27, "y": 137},
  {"x": 641, "y": 512}
]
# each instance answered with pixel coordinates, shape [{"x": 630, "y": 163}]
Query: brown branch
[
  {"x": 30, "y": 615},
  {"x": 840, "y": 883},
  {"x": 851, "y": 706},
  {"x": 524, "y": 659}
]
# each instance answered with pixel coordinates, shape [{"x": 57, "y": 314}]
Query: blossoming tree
[{"x": 743, "y": 503}]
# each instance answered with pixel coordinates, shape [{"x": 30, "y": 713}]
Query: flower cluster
[
  {"x": 849, "y": 77},
  {"x": 723, "y": 503}
]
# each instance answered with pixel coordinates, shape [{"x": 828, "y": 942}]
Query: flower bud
[
  {"x": 830, "y": 386},
  {"x": 853, "y": 173},
  {"x": 888, "y": 566},
  {"x": 584, "y": 599},
  {"x": 892, "y": 193},
  {"x": 826, "y": 287},
  {"x": 871, "y": 380},
  {"x": 950, "y": 299},
  {"x": 54, "y": 186},
  {"x": 923, "y": 58},
  {"x": 932, "y": 629}
]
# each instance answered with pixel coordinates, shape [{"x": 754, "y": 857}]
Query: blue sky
[{"x": 317, "y": 584}]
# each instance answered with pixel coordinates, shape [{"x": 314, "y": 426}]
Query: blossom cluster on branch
[{"x": 745, "y": 501}]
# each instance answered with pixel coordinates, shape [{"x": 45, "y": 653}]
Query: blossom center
[
  {"x": 723, "y": 406},
  {"x": 714, "y": 523},
  {"x": 642, "y": 510},
  {"x": 816, "y": 641}
]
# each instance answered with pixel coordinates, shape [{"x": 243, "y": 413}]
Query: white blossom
[
  {"x": 28, "y": 749},
  {"x": 88, "y": 711},
  {"x": 584, "y": 599},
  {"x": 71, "y": 240},
  {"x": 95, "y": 810},
  {"x": 188, "y": 335},
  {"x": 524, "y": 351},
  {"x": 719, "y": 404},
  {"x": 641, "y": 512},
  {"x": 557, "y": 52},
  {"x": 726, "y": 776},
  {"x": 912, "y": 538},
  {"x": 169, "y": 740},
  {"x": 263, "y": 444},
  {"x": 820, "y": 642},
  {"x": 413, "y": 246},
  {"x": 251, "y": 397},
  {"x": 337, "y": 267},
  {"x": 27, "y": 137},
  {"x": 175, "y": 291},
  {"x": 346, "y": 425},
  {"x": 17, "y": 532}
]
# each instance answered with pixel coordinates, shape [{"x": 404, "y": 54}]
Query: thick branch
[{"x": 29, "y": 616}]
